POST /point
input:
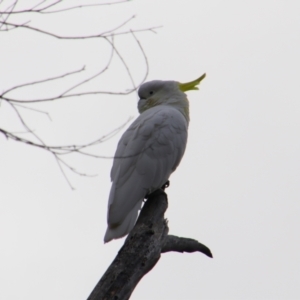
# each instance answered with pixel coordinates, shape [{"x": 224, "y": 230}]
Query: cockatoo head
[{"x": 158, "y": 92}]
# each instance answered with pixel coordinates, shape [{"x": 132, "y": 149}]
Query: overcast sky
[{"x": 237, "y": 189}]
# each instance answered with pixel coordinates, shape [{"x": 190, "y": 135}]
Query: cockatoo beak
[{"x": 184, "y": 87}]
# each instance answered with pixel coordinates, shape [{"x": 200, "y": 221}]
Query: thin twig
[
  {"x": 145, "y": 58},
  {"x": 124, "y": 64},
  {"x": 99, "y": 35},
  {"x": 41, "y": 81},
  {"x": 63, "y": 172},
  {"x": 37, "y": 5},
  {"x": 25, "y": 125},
  {"x": 73, "y": 169},
  {"x": 63, "y": 149},
  {"x": 8, "y": 12},
  {"x": 82, "y": 37},
  {"x": 66, "y": 96},
  {"x": 104, "y": 33},
  {"x": 44, "y": 9},
  {"x": 34, "y": 109},
  {"x": 94, "y": 76}
]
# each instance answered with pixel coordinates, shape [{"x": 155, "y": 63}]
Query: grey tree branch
[
  {"x": 141, "y": 251},
  {"x": 179, "y": 244}
]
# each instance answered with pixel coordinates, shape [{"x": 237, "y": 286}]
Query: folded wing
[{"x": 148, "y": 152}]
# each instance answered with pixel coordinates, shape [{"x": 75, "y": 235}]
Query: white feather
[{"x": 147, "y": 153}]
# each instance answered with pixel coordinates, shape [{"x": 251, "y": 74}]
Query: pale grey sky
[{"x": 236, "y": 190}]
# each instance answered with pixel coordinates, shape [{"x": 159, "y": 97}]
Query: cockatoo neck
[
  {"x": 177, "y": 100},
  {"x": 181, "y": 103}
]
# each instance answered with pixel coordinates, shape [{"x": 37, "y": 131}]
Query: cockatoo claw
[{"x": 166, "y": 185}]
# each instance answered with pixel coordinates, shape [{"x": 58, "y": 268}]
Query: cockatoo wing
[{"x": 147, "y": 153}]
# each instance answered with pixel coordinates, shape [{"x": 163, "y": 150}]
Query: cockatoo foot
[{"x": 166, "y": 185}]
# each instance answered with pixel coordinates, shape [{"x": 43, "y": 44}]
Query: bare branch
[
  {"x": 94, "y": 76},
  {"x": 140, "y": 253},
  {"x": 67, "y": 96},
  {"x": 64, "y": 149},
  {"x": 124, "y": 64},
  {"x": 74, "y": 170},
  {"x": 57, "y": 151},
  {"x": 63, "y": 172},
  {"x": 105, "y": 33},
  {"x": 37, "y": 5},
  {"x": 179, "y": 244},
  {"x": 44, "y": 9},
  {"x": 39, "y": 81},
  {"x": 151, "y": 29},
  {"x": 83, "y": 37},
  {"x": 145, "y": 58},
  {"x": 8, "y": 12},
  {"x": 34, "y": 109},
  {"x": 84, "y": 6},
  {"x": 11, "y": 28},
  {"x": 33, "y": 139},
  {"x": 25, "y": 125},
  {"x": 64, "y": 94}
]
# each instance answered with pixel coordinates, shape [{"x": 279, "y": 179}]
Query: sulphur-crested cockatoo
[{"x": 148, "y": 152}]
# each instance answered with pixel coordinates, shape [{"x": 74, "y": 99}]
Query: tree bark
[{"x": 141, "y": 251}]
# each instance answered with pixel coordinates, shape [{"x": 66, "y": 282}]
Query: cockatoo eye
[{"x": 151, "y": 92}]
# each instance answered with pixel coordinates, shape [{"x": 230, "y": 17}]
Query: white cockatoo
[{"x": 148, "y": 152}]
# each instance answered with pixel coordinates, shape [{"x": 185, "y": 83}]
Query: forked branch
[{"x": 141, "y": 251}]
